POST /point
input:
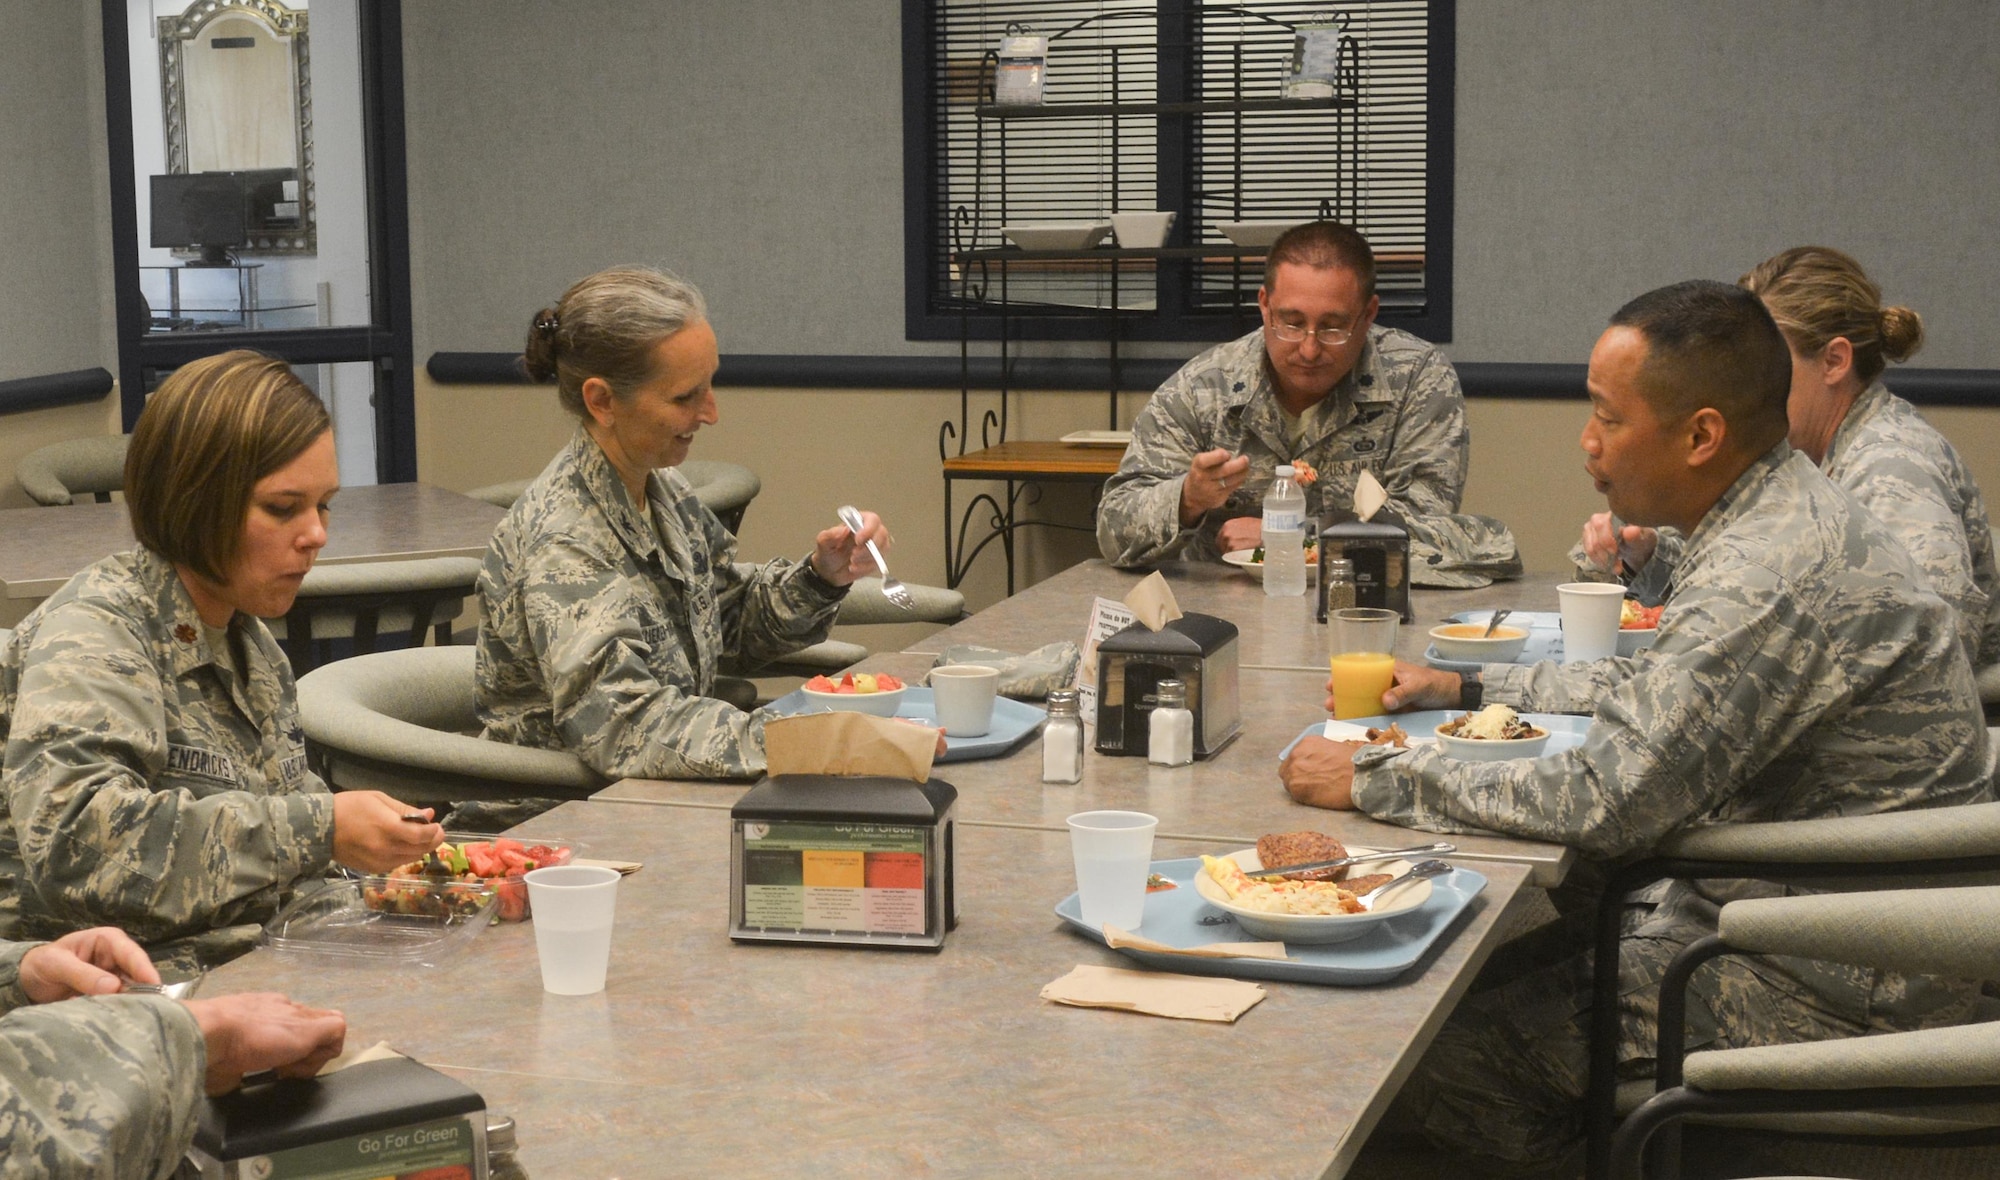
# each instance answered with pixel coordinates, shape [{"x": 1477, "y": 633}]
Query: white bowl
[
  {"x": 1466, "y": 641},
  {"x": 1630, "y": 642},
  {"x": 880, "y": 704},
  {"x": 1490, "y": 750},
  {"x": 1057, "y": 235},
  {"x": 1142, "y": 231},
  {"x": 1256, "y": 233},
  {"x": 1315, "y": 928}
]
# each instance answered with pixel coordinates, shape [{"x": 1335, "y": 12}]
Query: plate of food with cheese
[{"x": 1312, "y": 907}]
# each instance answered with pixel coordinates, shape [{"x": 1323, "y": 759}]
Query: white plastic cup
[
  {"x": 963, "y": 694},
  {"x": 1113, "y": 850},
  {"x": 1590, "y": 620},
  {"x": 573, "y": 906}
]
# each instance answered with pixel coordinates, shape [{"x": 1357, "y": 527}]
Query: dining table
[
  {"x": 42, "y": 548},
  {"x": 706, "y": 1056}
]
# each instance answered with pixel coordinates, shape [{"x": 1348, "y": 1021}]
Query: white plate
[
  {"x": 1057, "y": 235},
  {"x": 1255, "y": 233},
  {"x": 1315, "y": 928},
  {"x": 1097, "y": 438},
  {"x": 1240, "y": 558}
]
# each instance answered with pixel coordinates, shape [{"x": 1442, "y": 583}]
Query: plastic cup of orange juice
[{"x": 1362, "y": 658}]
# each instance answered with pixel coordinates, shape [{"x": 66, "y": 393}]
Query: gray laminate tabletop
[
  {"x": 706, "y": 1058},
  {"x": 41, "y": 548},
  {"x": 1275, "y": 632},
  {"x": 1225, "y": 801}
]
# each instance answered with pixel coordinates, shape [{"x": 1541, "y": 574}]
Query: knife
[{"x": 1436, "y": 849}]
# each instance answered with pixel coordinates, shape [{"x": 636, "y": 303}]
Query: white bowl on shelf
[
  {"x": 1057, "y": 235},
  {"x": 1142, "y": 231},
  {"x": 1256, "y": 233}
]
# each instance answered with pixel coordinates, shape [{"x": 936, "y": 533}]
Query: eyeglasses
[{"x": 1293, "y": 333}]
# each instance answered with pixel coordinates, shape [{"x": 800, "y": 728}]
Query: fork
[{"x": 892, "y": 589}]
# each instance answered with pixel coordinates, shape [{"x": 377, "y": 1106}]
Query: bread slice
[{"x": 1297, "y": 848}]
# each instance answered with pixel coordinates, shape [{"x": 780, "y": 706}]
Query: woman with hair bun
[
  {"x": 1865, "y": 438},
  {"x": 609, "y": 594}
]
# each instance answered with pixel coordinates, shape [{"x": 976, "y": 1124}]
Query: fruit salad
[
  {"x": 855, "y": 682},
  {"x": 1634, "y": 617},
  {"x": 501, "y": 863}
]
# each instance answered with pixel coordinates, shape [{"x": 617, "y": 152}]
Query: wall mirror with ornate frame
[{"x": 236, "y": 96}]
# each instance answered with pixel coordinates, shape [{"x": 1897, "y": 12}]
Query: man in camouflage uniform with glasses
[{"x": 1318, "y": 383}]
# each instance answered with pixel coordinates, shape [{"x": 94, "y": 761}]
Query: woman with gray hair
[{"x": 610, "y": 594}]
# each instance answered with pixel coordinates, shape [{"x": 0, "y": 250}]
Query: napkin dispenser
[
  {"x": 394, "y": 1117},
  {"x": 1381, "y": 557},
  {"x": 1199, "y": 650},
  {"x": 849, "y": 861}
]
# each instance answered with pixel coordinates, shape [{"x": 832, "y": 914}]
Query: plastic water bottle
[{"x": 1284, "y": 536}]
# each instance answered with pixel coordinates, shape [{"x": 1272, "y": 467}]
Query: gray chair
[
  {"x": 726, "y": 488},
  {"x": 404, "y": 722},
  {"x": 1929, "y": 848},
  {"x": 57, "y": 473},
  {"x": 1926, "y": 1089},
  {"x": 362, "y": 601}
]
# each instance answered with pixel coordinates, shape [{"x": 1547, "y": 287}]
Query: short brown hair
[
  {"x": 607, "y": 325},
  {"x": 1711, "y": 345},
  {"x": 1817, "y": 293},
  {"x": 212, "y": 430},
  {"x": 1323, "y": 245}
]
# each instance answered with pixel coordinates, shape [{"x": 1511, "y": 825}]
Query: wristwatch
[{"x": 1471, "y": 693}]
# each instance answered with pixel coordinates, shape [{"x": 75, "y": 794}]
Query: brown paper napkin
[
  {"x": 1181, "y": 997},
  {"x": 1116, "y": 938},
  {"x": 1152, "y": 600},
  {"x": 379, "y": 1051},
  {"x": 1368, "y": 496},
  {"x": 849, "y": 744}
]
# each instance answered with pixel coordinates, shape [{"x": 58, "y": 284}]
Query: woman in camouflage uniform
[
  {"x": 155, "y": 772},
  {"x": 610, "y": 594}
]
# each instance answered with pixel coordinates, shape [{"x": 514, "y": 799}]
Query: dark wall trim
[
  {"x": 1925, "y": 387},
  {"x": 54, "y": 389}
]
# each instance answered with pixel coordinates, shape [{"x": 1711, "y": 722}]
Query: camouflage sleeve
[
  {"x": 768, "y": 610},
  {"x": 1666, "y": 747},
  {"x": 11, "y": 954},
  {"x": 1649, "y": 585},
  {"x": 102, "y": 1086},
  {"x": 101, "y": 846},
  {"x": 1424, "y": 471},
  {"x": 612, "y": 712},
  {"x": 1903, "y": 493},
  {"x": 1139, "y": 519}
]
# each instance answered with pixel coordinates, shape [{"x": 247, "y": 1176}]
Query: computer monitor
[{"x": 200, "y": 210}]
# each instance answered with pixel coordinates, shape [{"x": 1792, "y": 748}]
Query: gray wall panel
[{"x": 1604, "y": 146}]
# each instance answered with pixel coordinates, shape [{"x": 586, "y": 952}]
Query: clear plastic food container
[
  {"x": 518, "y": 856},
  {"x": 383, "y": 921}
]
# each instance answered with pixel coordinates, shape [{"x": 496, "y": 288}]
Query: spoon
[
  {"x": 1422, "y": 870},
  {"x": 1493, "y": 622}
]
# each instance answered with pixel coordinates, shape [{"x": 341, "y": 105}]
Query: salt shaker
[
  {"x": 1170, "y": 735},
  {"x": 1062, "y": 739}
]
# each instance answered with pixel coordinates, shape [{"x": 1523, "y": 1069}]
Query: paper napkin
[
  {"x": 1116, "y": 938},
  {"x": 1180, "y": 997},
  {"x": 1152, "y": 602},
  {"x": 849, "y": 744},
  {"x": 379, "y": 1051},
  {"x": 1368, "y": 496}
]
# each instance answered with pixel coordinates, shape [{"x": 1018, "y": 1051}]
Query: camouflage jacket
[
  {"x": 600, "y": 630},
  {"x": 147, "y": 785},
  {"x": 96, "y": 1086},
  {"x": 1802, "y": 669},
  {"x": 1399, "y": 414},
  {"x": 1910, "y": 478}
]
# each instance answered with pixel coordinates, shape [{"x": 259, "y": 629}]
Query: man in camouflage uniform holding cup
[
  {"x": 1320, "y": 382},
  {"x": 1803, "y": 669}
]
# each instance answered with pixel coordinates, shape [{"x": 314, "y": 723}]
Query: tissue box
[
  {"x": 849, "y": 861},
  {"x": 1198, "y": 650},
  {"x": 380, "y": 1118}
]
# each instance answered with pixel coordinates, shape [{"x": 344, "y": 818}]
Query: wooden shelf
[
  {"x": 1036, "y": 460},
  {"x": 1219, "y": 106}
]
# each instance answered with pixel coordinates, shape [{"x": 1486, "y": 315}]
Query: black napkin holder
[
  {"x": 1380, "y": 552},
  {"x": 395, "y": 1115},
  {"x": 1199, "y": 650},
  {"x": 864, "y": 860}
]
